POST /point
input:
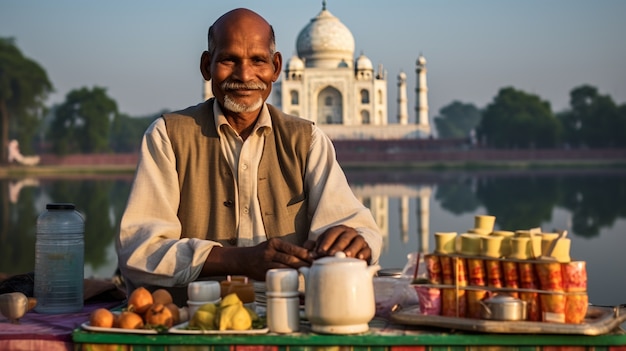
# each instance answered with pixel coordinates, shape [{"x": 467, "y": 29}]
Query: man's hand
[
  {"x": 276, "y": 253},
  {"x": 340, "y": 238},
  {"x": 254, "y": 261}
]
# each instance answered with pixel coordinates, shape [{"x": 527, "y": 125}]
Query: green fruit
[
  {"x": 203, "y": 320},
  {"x": 208, "y": 307}
]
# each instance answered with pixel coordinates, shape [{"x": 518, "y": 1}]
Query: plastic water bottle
[{"x": 59, "y": 259}]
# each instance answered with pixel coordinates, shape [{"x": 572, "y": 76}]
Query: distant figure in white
[
  {"x": 16, "y": 156},
  {"x": 16, "y": 186}
]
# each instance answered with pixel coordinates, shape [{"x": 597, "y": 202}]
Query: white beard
[{"x": 236, "y": 107}]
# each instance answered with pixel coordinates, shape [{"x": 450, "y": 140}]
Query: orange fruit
[
  {"x": 129, "y": 320},
  {"x": 162, "y": 296},
  {"x": 140, "y": 300},
  {"x": 158, "y": 314},
  {"x": 101, "y": 317},
  {"x": 175, "y": 312}
]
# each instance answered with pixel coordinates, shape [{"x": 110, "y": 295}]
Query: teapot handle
[{"x": 487, "y": 309}]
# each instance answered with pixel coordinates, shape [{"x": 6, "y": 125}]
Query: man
[{"x": 233, "y": 185}]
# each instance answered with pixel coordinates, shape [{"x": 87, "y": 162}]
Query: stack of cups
[
  {"x": 200, "y": 293},
  {"x": 283, "y": 303}
]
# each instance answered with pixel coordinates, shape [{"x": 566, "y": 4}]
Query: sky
[{"x": 146, "y": 53}]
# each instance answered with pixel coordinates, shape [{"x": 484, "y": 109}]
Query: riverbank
[
  {"x": 470, "y": 158},
  {"x": 355, "y": 157}
]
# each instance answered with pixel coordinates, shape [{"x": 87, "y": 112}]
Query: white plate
[
  {"x": 180, "y": 329},
  {"x": 86, "y": 326}
]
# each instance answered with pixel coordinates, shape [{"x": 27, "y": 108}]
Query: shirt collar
[{"x": 263, "y": 123}]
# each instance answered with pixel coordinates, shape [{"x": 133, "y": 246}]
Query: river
[{"x": 409, "y": 207}]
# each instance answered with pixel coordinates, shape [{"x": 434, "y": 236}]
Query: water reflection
[
  {"x": 100, "y": 199},
  {"x": 408, "y": 206}
]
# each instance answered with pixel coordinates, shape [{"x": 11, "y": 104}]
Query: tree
[
  {"x": 24, "y": 86},
  {"x": 594, "y": 120},
  {"x": 517, "y": 119},
  {"x": 82, "y": 122},
  {"x": 126, "y": 132},
  {"x": 519, "y": 202},
  {"x": 456, "y": 120}
]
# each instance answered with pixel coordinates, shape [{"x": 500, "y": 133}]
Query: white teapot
[{"x": 339, "y": 294}]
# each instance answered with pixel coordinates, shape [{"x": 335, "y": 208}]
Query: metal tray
[{"x": 599, "y": 320}]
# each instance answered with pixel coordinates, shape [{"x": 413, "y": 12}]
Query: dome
[
  {"x": 421, "y": 61},
  {"x": 295, "y": 64},
  {"x": 325, "y": 41},
  {"x": 402, "y": 76},
  {"x": 363, "y": 63}
]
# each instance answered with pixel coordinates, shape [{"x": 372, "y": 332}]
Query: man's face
[{"x": 242, "y": 67}]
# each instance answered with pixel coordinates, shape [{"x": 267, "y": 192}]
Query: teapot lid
[
  {"x": 504, "y": 299},
  {"x": 339, "y": 258}
]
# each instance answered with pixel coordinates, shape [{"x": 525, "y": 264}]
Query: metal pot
[{"x": 503, "y": 308}]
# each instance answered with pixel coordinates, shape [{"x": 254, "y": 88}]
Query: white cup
[
  {"x": 203, "y": 290},
  {"x": 283, "y": 314},
  {"x": 281, "y": 282}
]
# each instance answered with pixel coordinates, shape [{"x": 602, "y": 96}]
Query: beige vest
[{"x": 207, "y": 196}]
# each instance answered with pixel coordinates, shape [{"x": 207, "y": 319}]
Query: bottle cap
[{"x": 60, "y": 206}]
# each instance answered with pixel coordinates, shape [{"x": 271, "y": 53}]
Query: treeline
[
  {"x": 516, "y": 119},
  {"x": 89, "y": 121}
]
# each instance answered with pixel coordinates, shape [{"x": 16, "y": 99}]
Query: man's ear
[
  {"x": 205, "y": 65},
  {"x": 278, "y": 65}
]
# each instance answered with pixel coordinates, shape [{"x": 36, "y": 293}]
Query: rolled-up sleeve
[
  {"x": 331, "y": 201},
  {"x": 149, "y": 245}
]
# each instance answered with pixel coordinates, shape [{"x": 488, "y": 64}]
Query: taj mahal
[{"x": 344, "y": 96}]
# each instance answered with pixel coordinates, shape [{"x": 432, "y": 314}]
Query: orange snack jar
[
  {"x": 476, "y": 271},
  {"x": 576, "y": 308},
  {"x": 494, "y": 273},
  {"x": 510, "y": 276},
  {"x": 447, "y": 269},
  {"x": 575, "y": 276},
  {"x": 553, "y": 308},
  {"x": 453, "y": 303},
  {"x": 550, "y": 276},
  {"x": 433, "y": 268}
]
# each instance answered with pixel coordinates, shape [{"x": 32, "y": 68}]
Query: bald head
[{"x": 240, "y": 18}]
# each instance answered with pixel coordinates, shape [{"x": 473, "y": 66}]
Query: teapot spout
[{"x": 373, "y": 269}]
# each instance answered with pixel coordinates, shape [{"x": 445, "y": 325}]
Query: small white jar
[
  {"x": 283, "y": 314},
  {"x": 283, "y": 302}
]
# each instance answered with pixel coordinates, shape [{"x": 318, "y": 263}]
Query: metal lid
[
  {"x": 390, "y": 272},
  {"x": 504, "y": 299}
]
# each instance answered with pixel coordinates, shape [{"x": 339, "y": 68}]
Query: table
[
  {"x": 52, "y": 332},
  {"x": 382, "y": 336},
  {"x": 49, "y": 332}
]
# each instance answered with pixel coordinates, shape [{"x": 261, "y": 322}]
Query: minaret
[
  {"x": 421, "y": 107},
  {"x": 423, "y": 218},
  {"x": 404, "y": 219},
  {"x": 403, "y": 110}
]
